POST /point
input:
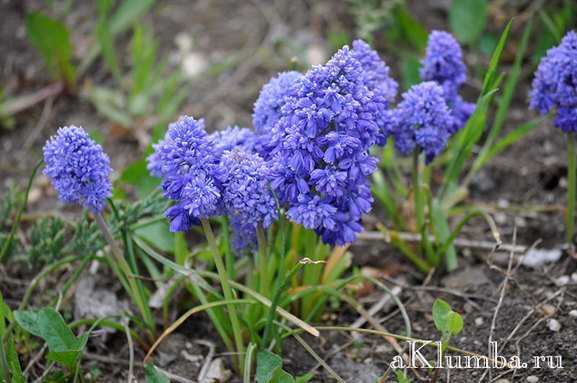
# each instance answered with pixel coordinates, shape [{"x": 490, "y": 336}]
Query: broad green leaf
[
  {"x": 137, "y": 175},
  {"x": 267, "y": 365},
  {"x": 454, "y": 323},
  {"x": 153, "y": 375},
  {"x": 304, "y": 378},
  {"x": 441, "y": 310},
  {"x": 49, "y": 325},
  {"x": 52, "y": 39},
  {"x": 281, "y": 376},
  {"x": 158, "y": 234},
  {"x": 468, "y": 19}
]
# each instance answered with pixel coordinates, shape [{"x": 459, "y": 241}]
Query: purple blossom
[
  {"x": 320, "y": 148},
  {"x": 187, "y": 161},
  {"x": 375, "y": 72},
  {"x": 422, "y": 121},
  {"x": 78, "y": 168},
  {"x": 555, "y": 83},
  {"x": 247, "y": 196},
  {"x": 443, "y": 64},
  {"x": 271, "y": 99},
  {"x": 233, "y": 137}
]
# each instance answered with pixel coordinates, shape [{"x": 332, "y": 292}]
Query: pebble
[
  {"x": 502, "y": 381},
  {"x": 562, "y": 280},
  {"x": 548, "y": 310},
  {"x": 554, "y": 325},
  {"x": 573, "y": 313},
  {"x": 532, "y": 379},
  {"x": 574, "y": 277},
  {"x": 479, "y": 321}
]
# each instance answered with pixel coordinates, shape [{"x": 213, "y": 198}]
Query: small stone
[
  {"x": 562, "y": 280},
  {"x": 548, "y": 310},
  {"x": 502, "y": 381},
  {"x": 479, "y": 321},
  {"x": 574, "y": 277},
  {"x": 573, "y": 313},
  {"x": 554, "y": 325},
  {"x": 532, "y": 379}
]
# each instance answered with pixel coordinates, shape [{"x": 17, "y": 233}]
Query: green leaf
[
  {"x": 468, "y": 19},
  {"x": 509, "y": 139},
  {"x": 304, "y": 378},
  {"x": 413, "y": 31},
  {"x": 454, "y": 323},
  {"x": 443, "y": 232},
  {"x": 52, "y": 39},
  {"x": 124, "y": 17},
  {"x": 281, "y": 376},
  {"x": 137, "y": 175},
  {"x": 267, "y": 365},
  {"x": 402, "y": 377},
  {"x": 489, "y": 82},
  {"x": 441, "y": 310},
  {"x": 49, "y": 325},
  {"x": 410, "y": 65},
  {"x": 106, "y": 39},
  {"x": 153, "y": 375},
  {"x": 158, "y": 234}
]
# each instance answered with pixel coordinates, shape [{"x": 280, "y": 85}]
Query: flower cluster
[
  {"x": 443, "y": 64},
  {"x": 247, "y": 195},
  {"x": 555, "y": 83},
  {"x": 422, "y": 120},
  {"x": 321, "y": 148},
  {"x": 188, "y": 163},
  {"x": 78, "y": 168},
  {"x": 231, "y": 138}
]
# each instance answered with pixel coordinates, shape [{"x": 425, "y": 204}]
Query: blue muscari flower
[
  {"x": 375, "y": 75},
  {"x": 188, "y": 164},
  {"x": 375, "y": 72},
  {"x": 78, "y": 168},
  {"x": 271, "y": 99},
  {"x": 555, "y": 83},
  {"x": 246, "y": 194},
  {"x": 320, "y": 148},
  {"x": 422, "y": 121},
  {"x": 233, "y": 137},
  {"x": 443, "y": 64}
]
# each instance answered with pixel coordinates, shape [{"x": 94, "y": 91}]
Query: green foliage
[
  {"x": 10, "y": 369},
  {"x": 467, "y": 19},
  {"x": 47, "y": 238},
  {"x": 52, "y": 39},
  {"x": 269, "y": 370},
  {"x": 448, "y": 322},
  {"x": 153, "y": 375},
  {"x": 402, "y": 377},
  {"x": 151, "y": 95},
  {"x": 64, "y": 347}
]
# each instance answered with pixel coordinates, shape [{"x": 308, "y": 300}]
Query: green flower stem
[
  {"x": 419, "y": 212},
  {"x": 262, "y": 259},
  {"x": 227, "y": 291},
  {"x": 124, "y": 267},
  {"x": 571, "y": 188}
]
